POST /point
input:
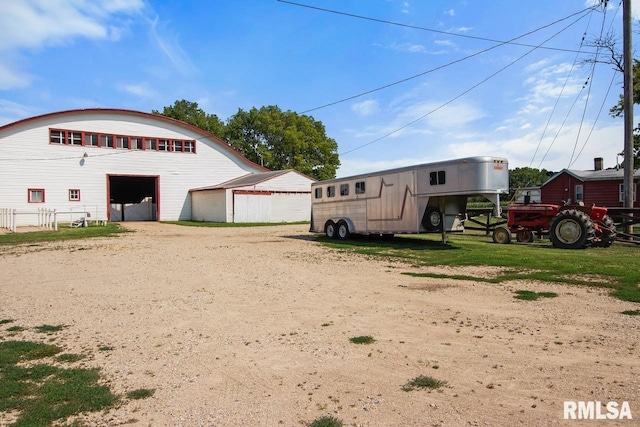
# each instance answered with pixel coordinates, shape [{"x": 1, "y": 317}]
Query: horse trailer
[{"x": 430, "y": 197}]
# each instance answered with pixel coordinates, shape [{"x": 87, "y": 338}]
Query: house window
[
  {"x": 36, "y": 195},
  {"x": 91, "y": 140},
  {"x": 579, "y": 193},
  {"x": 360, "y": 187},
  {"x": 318, "y": 193},
  {"x": 437, "y": 178},
  {"x": 74, "y": 195},
  {"x": 344, "y": 189},
  {"x": 57, "y": 136},
  {"x": 621, "y": 193},
  {"x": 331, "y": 191},
  {"x": 106, "y": 141}
]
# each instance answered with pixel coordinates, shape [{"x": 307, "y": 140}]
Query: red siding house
[{"x": 602, "y": 187}]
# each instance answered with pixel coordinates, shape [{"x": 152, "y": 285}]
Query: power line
[{"x": 464, "y": 92}]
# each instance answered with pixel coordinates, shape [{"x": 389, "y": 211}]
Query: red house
[{"x": 602, "y": 187}]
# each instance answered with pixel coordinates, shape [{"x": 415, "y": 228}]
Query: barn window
[
  {"x": 57, "y": 136},
  {"x": 621, "y": 193},
  {"x": 437, "y": 178},
  {"x": 136, "y": 143},
  {"x": 163, "y": 145},
  {"x": 122, "y": 142},
  {"x": 36, "y": 195},
  {"x": 189, "y": 146},
  {"x": 360, "y": 187},
  {"x": 318, "y": 193},
  {"x": 344, "y": 189},
  {"x": 331, "y": 191},
  {"x": 91, "y": 140},
  {"x": 176, "y": 146},
  {"x": 579, "y": 193},
  {"x": 75, "y": 138},
  {"x": 74, "y": 195},
  {"x": 106, "y": 141},
  {"x": 150, "y": 144}
]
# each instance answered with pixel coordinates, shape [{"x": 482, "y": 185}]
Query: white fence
[{"x": 47, "y": 218}]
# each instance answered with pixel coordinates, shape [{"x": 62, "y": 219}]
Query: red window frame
[
  {"x": 29, "y": 198},
  {"x": 130, "y": 142},
  {"x": 72, "y": 199}
]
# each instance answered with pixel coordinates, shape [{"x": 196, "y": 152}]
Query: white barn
[{"x": 123, "y": 165}]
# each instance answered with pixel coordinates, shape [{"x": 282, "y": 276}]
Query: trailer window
[
  {"x": 360, "y": 187},
  {"x": 318, "y": 193},
  {"x": 437, "y": 178},
  {"x": 344, "y": 189},
  {"x": 331, "y": 191}
]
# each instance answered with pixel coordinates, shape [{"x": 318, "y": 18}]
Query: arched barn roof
[{"x": 15, "y": 126}]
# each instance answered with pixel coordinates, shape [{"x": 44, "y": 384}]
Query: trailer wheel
[
  {"x": 524, "y": 236},
  {"x": 343, "y": 230},
  {"x": 330, "y": 230},
  {"x": 571, "y": 229},
  {"x": 432, "y": 219},
  {"x": 501, "y": 235}
]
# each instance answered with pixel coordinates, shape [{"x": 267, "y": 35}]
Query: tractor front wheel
[
  {"x": 571, "y": 229},
  {"x": 501, "y": 235}
]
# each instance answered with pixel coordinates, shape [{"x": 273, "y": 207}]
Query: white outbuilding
[{"x": 123, "y": 165}]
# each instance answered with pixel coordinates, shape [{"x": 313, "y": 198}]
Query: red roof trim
[{"x": 160, "y": 117}]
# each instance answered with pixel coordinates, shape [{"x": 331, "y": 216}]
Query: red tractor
[{"x": 568, "y": 226}]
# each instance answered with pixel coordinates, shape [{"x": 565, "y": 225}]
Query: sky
[{"x": 394, "y": 82}]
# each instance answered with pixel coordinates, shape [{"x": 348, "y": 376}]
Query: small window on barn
[
  {"x": 360, "y": 187},
  {"x": 36, "y": 195},
  {"x": 136, "y": 143},
  {"x": 318, "y": 193},
  {"x": 91, "y": 140},
  {"x": 122, "y": 142},
  {"x": 163, "y": 145},
  {"x": 176, "y": 146},
  {"x": 331, "y": 191},
  {"x": 74, "y": 195},
  {"x": 150, "y": 144},
  {"x": 437, "y": 178},
  {"x": 57, "y": 136},
  {"x": 621, "y": 193},
  {"x": 106, "y": 141},
  {"x": 344, "y": 189},
  {"x": 579, "y": 193},
  {"x": 75, "y": 138},
  {"x": 189, "y": 146}
]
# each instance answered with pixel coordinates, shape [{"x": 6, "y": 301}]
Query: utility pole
[{"x": 628, "y": 106}]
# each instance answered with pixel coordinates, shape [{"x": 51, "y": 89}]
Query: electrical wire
[{"x": 464, "y": 92}]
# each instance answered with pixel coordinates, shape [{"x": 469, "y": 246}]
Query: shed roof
[
  {"x": 593, "y": 175},
  {"x": 249, "y": 179}
]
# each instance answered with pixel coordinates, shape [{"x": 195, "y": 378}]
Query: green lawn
[{"x": 63, "y": 233}]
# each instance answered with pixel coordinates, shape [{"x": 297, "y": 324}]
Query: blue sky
[{"x": 453, "y": 89}]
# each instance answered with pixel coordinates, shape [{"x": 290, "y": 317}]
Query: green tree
[
  {"x": 526, "y": 177},
  {"x": 189, "y": 112},
  {"x": 280, "y": 139},
  {"x": 618, "y": 110}
]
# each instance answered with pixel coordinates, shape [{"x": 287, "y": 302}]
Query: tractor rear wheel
[{"x": 571, "y": 229}]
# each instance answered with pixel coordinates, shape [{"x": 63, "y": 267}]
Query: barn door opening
[{"x": 133, "y": 198}]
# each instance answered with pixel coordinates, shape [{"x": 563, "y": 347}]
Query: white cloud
[
  {"x": 366, "y": 108},
  {"x": 12, "y": 78},
  {"x": 170, "y": 47},
  {"x": 140, "y": 90},
  {"x": 450, "y": 12}
]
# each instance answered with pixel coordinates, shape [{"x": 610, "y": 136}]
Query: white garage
[
  {"x": 278, "y": 196},
  {"x": 123, "y": 165}
]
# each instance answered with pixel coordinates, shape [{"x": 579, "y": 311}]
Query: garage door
[{"x": 251, "y": 207}]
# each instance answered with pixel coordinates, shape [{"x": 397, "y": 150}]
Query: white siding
[
  {"x": 209, "y": 205},
  {"x": 290, "y": 207},
  {"x": 27, "y": 160}
]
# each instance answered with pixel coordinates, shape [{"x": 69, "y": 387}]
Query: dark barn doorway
[{"x": 133, "y": 198}]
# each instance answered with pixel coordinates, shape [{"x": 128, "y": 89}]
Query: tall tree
[
  {"x": 526, "y": 177},
  {"x": 280, "y": 139},
  {"x": 617, "y": 111},
  {"x": 189, "y": 112}
]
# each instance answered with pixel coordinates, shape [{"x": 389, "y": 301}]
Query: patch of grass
[
  {"x": 63, "y": 233},
  {"x": 326, "y": 421},
  {"x": 230, "y": 224},
  {"x": 423, "y": 381},
  {"x": 70, "y": 357},
  {"x": 363, "y": 339},
  {"x": 105, "y": 348},
  {"x": 631, "y": 312},
  {"x": 532, "y": 296},
  {"x": 141, "y": 393},
  {"x": 5, "y": 321},
  {"x": 16, "y": 329},
  {"x": 539, "y": 261},
  {"x": 48, "y": 329}
]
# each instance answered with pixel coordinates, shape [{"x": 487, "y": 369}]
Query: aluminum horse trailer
[{"x": 412, "y": 199}]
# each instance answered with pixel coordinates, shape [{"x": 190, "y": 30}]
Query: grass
[
  {"x": 539, "y": 261},
  {"x": 423, "y": 382},
  {"x": 363, "y": 339},
  {"x": 326, "y": 421},
  {"x": 63, "y": 233},
  {"x": 532, "y": 296},
  {"x": 41, "y": 393},
  {"x": 631, "y": 312}
]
